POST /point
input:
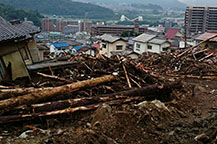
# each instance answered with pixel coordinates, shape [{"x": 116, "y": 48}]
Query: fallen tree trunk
[
  {"x": 4, "y": 87},
  {"x": 199, "y": 77},
  {"x": 58, "y": 105},
  {"x": 46, "y": 94},
  {"x": 151, "y": 92},
  {"x": 8, "y": 93},
  {"x": 17, "y": 118}
]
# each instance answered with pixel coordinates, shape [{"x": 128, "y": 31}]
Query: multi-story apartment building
[
  {"x": 47, "y": 24},
  {"x": 200, "y": 20},
  {"x": 58, "y": 25}
]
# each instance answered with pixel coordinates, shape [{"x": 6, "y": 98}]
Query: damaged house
[
  {"x": 17, "y": 48},
  {"x": 150, "y": 43},
  {"x": 210, "y": 44},
  {"x": 112, "y": 45}
]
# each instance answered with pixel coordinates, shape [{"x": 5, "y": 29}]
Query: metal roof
[
  {"x": 60, "y": 45},
  {"x": 78, "y": 48},
  {"x": 144, "y": 37}
]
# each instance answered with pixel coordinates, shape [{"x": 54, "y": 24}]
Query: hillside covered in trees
[
  {"x": 63, "y": 7},
  {"x": 10, "y": 13}
]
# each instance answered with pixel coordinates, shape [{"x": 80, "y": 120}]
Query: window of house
[
  {"x": 138, "y": 47},
  {"x": 165, "y": 49},
  {"x": 103, "y": 45},
  {"x": 119, "y": 47},
  {"x": 149, "y": 47},
  {"x": 24, "y": 53}
]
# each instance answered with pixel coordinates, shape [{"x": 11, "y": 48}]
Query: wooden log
[
  {"x": 46, "y": 94},
  {"x": 4, "y": 87},
  {"x": 62, "y": 104},
  {"x": 150, "y": 90},
  {"x": 8, "y": 93},
  {"x": 17, "y": 118},
  {"x": 199, "y": 77}
]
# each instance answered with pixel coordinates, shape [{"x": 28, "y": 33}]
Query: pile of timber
[
  {"x": 34, "y": 103},
  {"x": 93, "y": 81},
  {"x": 193, "y": 62},
  {"x": 96, "y": 80}
]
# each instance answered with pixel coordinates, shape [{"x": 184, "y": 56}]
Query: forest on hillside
[
  {"x": 11, "y": 13},
  {"x": 63, "y": 7}
]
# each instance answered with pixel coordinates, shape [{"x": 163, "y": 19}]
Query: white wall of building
[
  {"x": 142, "y": 49},
  {"x": 111, "y": 47}
]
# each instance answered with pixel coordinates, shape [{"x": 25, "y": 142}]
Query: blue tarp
[
  {"x": 60, "y": 45},
  {"x": 78, "y": 47}
]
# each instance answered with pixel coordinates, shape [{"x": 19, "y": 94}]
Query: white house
[
  {"x": 150, "y": 43},
  {"x": 110, "y": 44},
  {"x": 158, "y": 45}
]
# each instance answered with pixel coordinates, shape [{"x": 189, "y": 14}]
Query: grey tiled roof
[
  {"x": 8, "y": 31},
  {"x": 144, "y": 37},
  {"x": 109, "y": 38},
  {"x": 158, "y": 41},
  {"x": 16, "y": 30},
  {"x": 27, "y": 28}
]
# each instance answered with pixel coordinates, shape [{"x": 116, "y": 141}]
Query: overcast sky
[{"x": 200, "y": 2}]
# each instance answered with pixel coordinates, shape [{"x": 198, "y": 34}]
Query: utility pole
[{"x": 185, "y": 31}]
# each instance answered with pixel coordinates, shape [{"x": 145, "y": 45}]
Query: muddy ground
[{"x": 189, "y": 117}]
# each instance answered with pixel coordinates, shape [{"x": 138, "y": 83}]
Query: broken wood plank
[
  {"x": 135, "y": 82},
  {"x": 54, "y": 77},
  {"x": 125, "y": 72},
  {"x": 202, "y": 59},
  {"x": 46, "y": 94},
  {"x": 127, "y": 77}
]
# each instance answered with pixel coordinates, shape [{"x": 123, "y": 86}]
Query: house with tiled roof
[
  {"x": 111, "y": 44},
  {"x": 16, "y": 41},
  {"x": 29, "y": 30},
  {"x": 150, "y": 43}
]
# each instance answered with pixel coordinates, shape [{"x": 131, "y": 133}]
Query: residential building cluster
[{"x": 24, "y": 48}]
